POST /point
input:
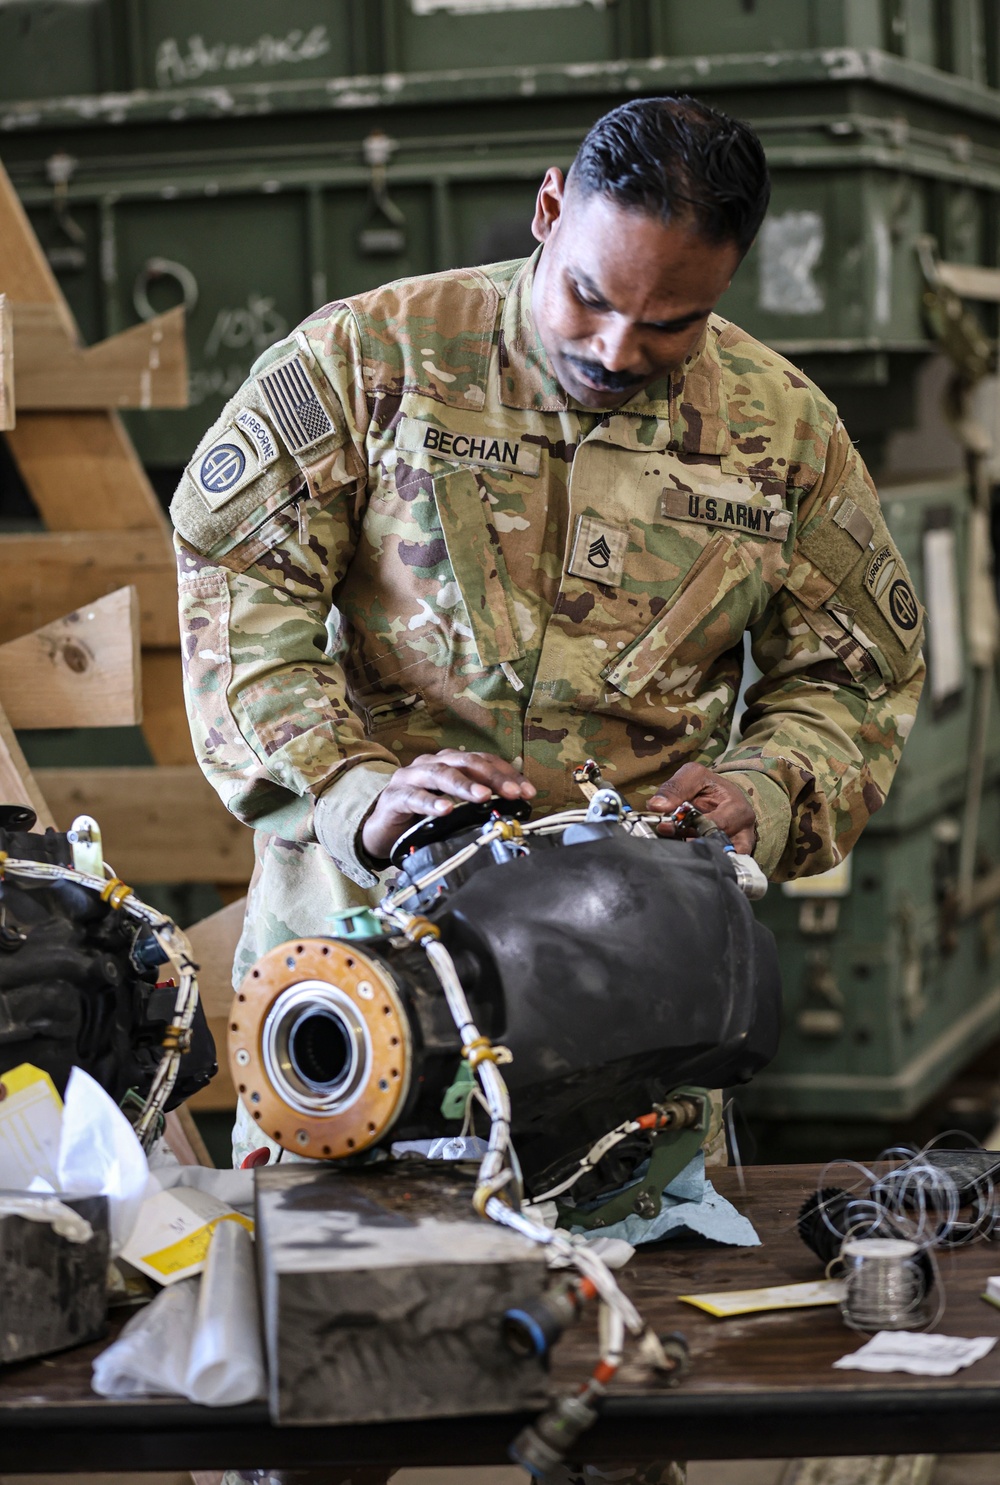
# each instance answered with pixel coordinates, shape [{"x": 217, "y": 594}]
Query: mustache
[{"x": 610, "y": 381}]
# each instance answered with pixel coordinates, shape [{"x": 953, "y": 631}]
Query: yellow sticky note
[
  {"x": 778, "y": 1297},
  {"x": 30, "y": 1126}
]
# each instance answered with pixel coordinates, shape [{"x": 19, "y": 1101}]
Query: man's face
[{"x": 619, "y": 298}]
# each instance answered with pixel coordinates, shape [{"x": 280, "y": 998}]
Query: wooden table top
[{"x": 760, "y": 1385}]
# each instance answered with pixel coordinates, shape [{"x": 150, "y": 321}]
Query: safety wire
[
  {"x": 499, "y": 1193},
  {"x": 916, "y": 1204},
  {"x": 176, "y": 950}
]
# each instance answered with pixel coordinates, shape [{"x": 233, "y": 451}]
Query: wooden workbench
[{"x": 760, "y": 1386}]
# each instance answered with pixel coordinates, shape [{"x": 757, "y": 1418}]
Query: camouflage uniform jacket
[{"x": 402, "y": 535}]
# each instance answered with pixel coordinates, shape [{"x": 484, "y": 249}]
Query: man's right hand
[{"x": 431, "y": 786}]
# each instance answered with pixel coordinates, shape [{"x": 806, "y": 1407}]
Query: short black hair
[{"x": 680, "y": 160}]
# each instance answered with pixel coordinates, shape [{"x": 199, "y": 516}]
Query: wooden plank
[
  {"x": 81, "y": 671},
  {"x": 17, "y": 783},
  {"x": 165, "y": 724},
  {"x": 81, "y": 468},
  {"x": 158, "y": 824},
  {"x": 84, "y": 474},
  {"x": 47, "y": 572},
  {"x": 971, "y": 281},
  {"x": 144, "y": 366},
  {"x": 183, "y": 1139},
  {"x": 7, "y": 400},
  {"x": 214, "y": 941}
]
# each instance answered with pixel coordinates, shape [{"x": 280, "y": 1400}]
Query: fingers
[
  {"x": 430, "y": 786},
  {"x": 688, "y": 781},
  {"x": 726, "y": 804}
]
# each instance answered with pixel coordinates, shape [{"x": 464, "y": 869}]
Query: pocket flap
[
  {"x": 478, "y": 564},
  {"x": 722, "y": 566}
]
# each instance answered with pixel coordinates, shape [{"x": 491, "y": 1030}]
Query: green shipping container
[
  {"x": 176, "y": 151},
  {"x": 886, "y": 992}
]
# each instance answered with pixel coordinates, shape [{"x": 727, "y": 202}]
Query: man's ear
[{"x": 548, "y": 204}]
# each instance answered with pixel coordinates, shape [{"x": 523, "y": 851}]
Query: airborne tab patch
[
  {"x": 717, "y": 510},
  {"x": 485, "y": 448},
  {"x": 598, "y": 552},
  {"x": 888, "y": 583}
]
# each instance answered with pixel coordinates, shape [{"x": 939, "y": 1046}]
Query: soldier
[{"x": 458, "y": 534}]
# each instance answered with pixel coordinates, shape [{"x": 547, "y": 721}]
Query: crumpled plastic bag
[{"x": 198, "y": 1339}]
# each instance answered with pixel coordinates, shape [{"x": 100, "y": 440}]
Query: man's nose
[{"x": 617, "y": 347}]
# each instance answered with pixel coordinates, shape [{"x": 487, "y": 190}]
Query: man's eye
[{"x": 587, "y": 300}]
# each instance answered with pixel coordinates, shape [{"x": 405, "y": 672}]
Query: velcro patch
[
  {"x": 295, "y": 404},
  {"x": 854, "y": 521},
  {"x": 717, "y": 510},
  {"x": 486, "y": 448},
  {"x": 889, "y": 585},
  {"x": 598, "y": 552},
  {"x": 225, "y": 467}
]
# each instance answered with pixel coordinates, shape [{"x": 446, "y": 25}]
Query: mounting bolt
[
  {"x": 645, "y": 1205},
  {"x": 243, "y": 1057}
]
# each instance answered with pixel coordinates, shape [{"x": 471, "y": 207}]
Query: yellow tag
[
  {"x": 30, "y": 1127},
  {"x": 778, "y": 1297},
  {"x": 191, "y": 1250}
]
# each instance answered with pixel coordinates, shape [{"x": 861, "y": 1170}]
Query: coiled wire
[{"x": 885, "y": 1284}]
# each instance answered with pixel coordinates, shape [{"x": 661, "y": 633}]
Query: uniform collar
[{"x": 689, "y": 404}]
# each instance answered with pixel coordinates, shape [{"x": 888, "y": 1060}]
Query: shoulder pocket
[
  {"x": 705, "y": 617},
  {"x": 850, "y": 556},
  {"x": 478, "y": 564}
]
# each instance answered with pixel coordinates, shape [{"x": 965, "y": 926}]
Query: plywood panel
[
  {"x": 47, "y": 573},
  {"x": 81, "y": 671},
  {"x": 157, "y": 824}
]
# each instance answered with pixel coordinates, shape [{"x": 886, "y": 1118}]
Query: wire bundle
[{"x": 885, "y": 1284}]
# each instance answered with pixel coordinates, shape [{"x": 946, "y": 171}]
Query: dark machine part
[
  {"x": 614, "y": 969},
  {"x": 54, "y": 1290},
  {"x": 78, "y": 981}
]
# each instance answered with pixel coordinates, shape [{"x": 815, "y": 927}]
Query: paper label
[
  {"x": 30, "y": 1126},
  {"x": 777, "y": 1297},
  {"x": 174, "y": 1232}
]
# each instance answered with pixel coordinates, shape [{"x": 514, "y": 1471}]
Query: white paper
[
  {"x": 99, "y": 1155},
  {"x": 171, "y": 1238},
  {"x": 226, "y": 1364},
  {"x": 920, "y": 1355}
]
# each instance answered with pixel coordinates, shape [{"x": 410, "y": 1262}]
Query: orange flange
[{"x": 315, "y": 986}]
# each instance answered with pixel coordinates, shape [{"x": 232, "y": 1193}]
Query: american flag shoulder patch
[{"x": 295, "y": 405}]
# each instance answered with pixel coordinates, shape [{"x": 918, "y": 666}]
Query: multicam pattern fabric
[{"x": 463, "y": 557}]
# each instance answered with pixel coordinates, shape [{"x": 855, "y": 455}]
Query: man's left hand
[{"x": 725, "y": 803}]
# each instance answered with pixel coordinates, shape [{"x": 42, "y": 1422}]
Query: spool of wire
[{"x": 886, "y": 1284}]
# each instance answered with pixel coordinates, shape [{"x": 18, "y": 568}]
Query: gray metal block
[
  {"x": 53, "y": 1293},
  {"x": 383, "y": 1296}
]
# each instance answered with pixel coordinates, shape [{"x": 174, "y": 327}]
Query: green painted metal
[
  {"x": 195, "y": 131},
  {"x": 883, "y": 1009},
  {"x": 891, "y": 994}
]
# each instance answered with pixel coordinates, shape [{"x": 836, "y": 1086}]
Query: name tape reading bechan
[
  {"x": 488, "y": 449},
  {"x": 717, "y": 510}
]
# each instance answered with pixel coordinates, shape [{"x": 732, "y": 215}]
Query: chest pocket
[
  {"x": 706, "y": 616},
  {"x": 478, "y": 564}
]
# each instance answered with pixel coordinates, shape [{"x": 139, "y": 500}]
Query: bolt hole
[
  {"x": 349, "y": 963},
  {"x": 277, "y": 1134},
  {"x": 387, "y": 1010},
  {"x": 394, "y": 1041},
  {"x": 325, "y": 952},
  {"x": 234, "y": 1026},
  {"x": 256, "y": 974},
  {"x": 326, "y": 1149},
  {"x": 243, "y": 1087},
  {"x": 371, "y": 1129},
  {"x": 241, "y": 997},
  {"x": 256, "y": 1113},
  {"x": 394, "y": 1072},
  {"x": 350, "y": 1144}
]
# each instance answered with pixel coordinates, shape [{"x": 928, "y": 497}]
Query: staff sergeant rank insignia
[
  {"x": 598, "y": 552},
  {"x": 718, "y": 510},
  {"x": 483, "y": 448}
]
